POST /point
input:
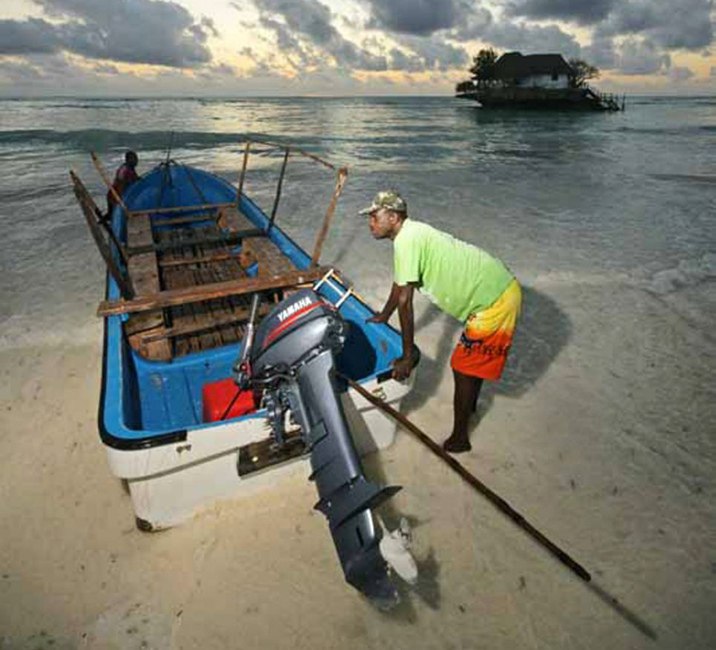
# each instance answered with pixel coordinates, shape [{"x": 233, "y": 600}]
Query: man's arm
[
  {"x": 401, "y": 298},
  {"x": 403, "y": 366},
  {"x": 390, "y": 306}
]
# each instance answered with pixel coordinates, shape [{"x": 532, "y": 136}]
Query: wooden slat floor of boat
[
  {"x": 270, "y": 258},
  {"x": 144, "y": 273},
  {"x": 204, "y": 325},
  {"x": 200, "y": 319}
]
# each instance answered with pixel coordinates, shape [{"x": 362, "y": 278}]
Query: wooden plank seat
[
  {"x": 144, "y": 274},
  {"x": 270, "y": 259},
  {"x": 191, "y": 292},
  {"x": 210, "y": 323}
]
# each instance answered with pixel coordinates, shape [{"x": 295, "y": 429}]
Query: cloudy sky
[{"x": 340, "y": 47}]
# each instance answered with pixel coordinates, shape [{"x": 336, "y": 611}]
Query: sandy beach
[{"x": 601, "y": 434}]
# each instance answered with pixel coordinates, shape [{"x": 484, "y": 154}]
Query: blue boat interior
[{"x": 142, "y": 398}]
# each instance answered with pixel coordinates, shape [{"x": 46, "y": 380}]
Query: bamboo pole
[
  {"x": 278, "y": 189},
  {"x": 301, "y": 152},
  {"x": 108, "y": 228},
  {"x": 240, "y": 189},
  {"x": 474, "y": 482},
  {"x": 89, "y": 210},
  {"x": 340, "y": 182},
  {"x": 105, "y": 178}
]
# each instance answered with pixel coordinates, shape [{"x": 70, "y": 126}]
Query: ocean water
[{"x": 561, "y": 198}]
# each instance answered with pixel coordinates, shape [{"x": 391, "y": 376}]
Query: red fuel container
[{"x": 217, "y": 395}]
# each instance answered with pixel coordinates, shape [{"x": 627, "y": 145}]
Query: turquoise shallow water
[{"x": 607, "y": 197}]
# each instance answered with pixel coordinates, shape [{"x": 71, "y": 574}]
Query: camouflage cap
[{"x": 388, "y": 199}]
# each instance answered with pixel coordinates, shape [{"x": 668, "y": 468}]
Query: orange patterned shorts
[{"x": 483, "y": 347}]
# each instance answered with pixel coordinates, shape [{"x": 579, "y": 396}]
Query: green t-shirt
[{"x": 458, "y": 277}]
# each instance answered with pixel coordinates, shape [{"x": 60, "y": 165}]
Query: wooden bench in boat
[{"x": 192, "y": 296}]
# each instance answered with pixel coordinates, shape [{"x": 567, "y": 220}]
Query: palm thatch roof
[{"x": 514, "y": 65}]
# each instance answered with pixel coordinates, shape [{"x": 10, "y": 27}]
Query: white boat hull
[{"x": 170, "y": 483}]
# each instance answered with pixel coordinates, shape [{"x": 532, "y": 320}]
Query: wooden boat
[{"x": 176, "y": 310}]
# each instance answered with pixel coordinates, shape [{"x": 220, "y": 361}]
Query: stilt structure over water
[{"x": 538, "y": 81}]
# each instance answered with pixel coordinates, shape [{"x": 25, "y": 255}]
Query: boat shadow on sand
[{"x": 543, "y": 331}]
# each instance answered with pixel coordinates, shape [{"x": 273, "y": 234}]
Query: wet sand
[{"x": 602, "y": 435}]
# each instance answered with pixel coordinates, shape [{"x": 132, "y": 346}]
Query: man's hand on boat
[
  {"x": 378, "y": 318},
  {"x": 403, "y": 366}
]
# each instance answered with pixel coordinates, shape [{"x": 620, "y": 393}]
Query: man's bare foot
[{"x": 455, "y": 445}]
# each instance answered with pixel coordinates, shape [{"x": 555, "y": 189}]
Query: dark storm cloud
[
  {"x": 601, "y": 53},
  {"x": 686, "y": 26},
  {"x": 671, "y": 25},
  {"x": 399, "y": 60},
  {"x": 531, "y": 39},
  {"x": 429, "y": 54},
  {"x": 303, "y": 25},
  {"x": 133, "y": 31},
  {"x": 475, "y": 25},
  {"x": 634, "y": 56},
  {"x": 299, "y": 24},
  {"x": 641, "y": 57},
  {"x": 32, "y": 35},
  {"x": 586, "y": 13},
  {"x": 480, "y": 24},
  {"x": 419, "y": 17},
  {"x": 209, "y": 26}
]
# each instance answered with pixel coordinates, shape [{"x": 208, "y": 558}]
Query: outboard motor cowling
[{"x": 292, "y": 358}]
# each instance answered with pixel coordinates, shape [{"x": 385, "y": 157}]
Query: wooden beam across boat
[
  {"x": 187, "y": 295},
  {"x": 179, "y": 221},
  {"x": 182, "y": 208},
  {"x": 204, "y": 322},
  {"x": 232, "y": 238}
]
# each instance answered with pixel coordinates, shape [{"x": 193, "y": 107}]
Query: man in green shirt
[{"x": 462, "y": 280}]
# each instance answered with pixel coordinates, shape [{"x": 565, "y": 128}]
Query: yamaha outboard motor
[{"x": 292, "y": 359}]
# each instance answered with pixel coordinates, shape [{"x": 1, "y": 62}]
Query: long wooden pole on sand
[{"x": 491, "y": 496}]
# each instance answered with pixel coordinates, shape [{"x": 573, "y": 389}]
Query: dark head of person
[
  {"x": 131, "y": 159},
  {"x": 386, "y": 214}
]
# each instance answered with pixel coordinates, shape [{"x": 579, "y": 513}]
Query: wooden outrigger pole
[
  {"x": 340, "y": 182},
  {"x": 240, "y": 188},
  {"x": 277, "y": 198},
  {"x": 100, "y": 168},
  {"x": 92, "y": 213}
]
